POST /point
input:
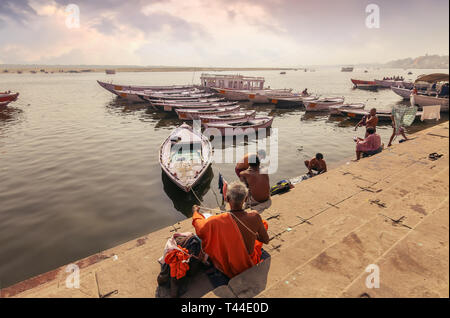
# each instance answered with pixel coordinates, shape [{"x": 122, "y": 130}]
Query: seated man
[
  {"x": 242, "y": 165},
  {"x": 232, "y": 240},
  {"x": 257, "y": 182},
  {"x": 371, "y": 145},
  {"x": 316, "y": 164}
]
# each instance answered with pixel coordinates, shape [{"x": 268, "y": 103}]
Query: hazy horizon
[{"x": 219, "y": 33}]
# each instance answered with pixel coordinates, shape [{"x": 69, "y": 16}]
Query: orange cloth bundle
[
  {"x": 177, "y": 260},
  {"x": 222, "y": 241}
]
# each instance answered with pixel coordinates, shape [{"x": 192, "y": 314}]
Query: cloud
[{"x": 218, "y": 32}]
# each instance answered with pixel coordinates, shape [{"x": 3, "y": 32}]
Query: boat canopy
[{"x": 433, "y": 78}]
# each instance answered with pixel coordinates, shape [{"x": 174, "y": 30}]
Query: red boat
[
  {"x": 359, "y": 82},
  {"x": 7, "y": 97}
]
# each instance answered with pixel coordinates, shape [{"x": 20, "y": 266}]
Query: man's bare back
[
  {"x": 257, "y": 183},
  {"x": 253, "y": 221}
]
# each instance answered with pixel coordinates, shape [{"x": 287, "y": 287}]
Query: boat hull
[
  {"x": 362, "y": 82},
  {"x": 245, "y": 116},
  {"x": 320, "y": 105},
  {"x": 189, "y": 114},
  {"x": 424, "y": 100},
  {"x": 402, "y": 92},
  {"x": 227, "y": 129}
]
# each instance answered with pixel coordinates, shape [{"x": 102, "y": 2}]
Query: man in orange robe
[{"x": 233, "y": 240}]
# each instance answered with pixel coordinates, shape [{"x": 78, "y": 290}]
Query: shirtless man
[
  {"x": 370, "y": 120},
  {"x": 317, "y": 164},
  {"x": 257, "y": 183},
  {"x": 246, "y": 220}
]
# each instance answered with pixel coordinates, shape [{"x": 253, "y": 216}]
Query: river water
[{"x": 79, "y": 169}]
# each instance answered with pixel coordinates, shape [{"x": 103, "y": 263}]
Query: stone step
[
  {"x": 325, "y": 230},
  {"x": 337, "y": 267}
]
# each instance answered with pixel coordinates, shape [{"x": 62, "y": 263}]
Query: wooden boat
[
  {"x": 336, "y": 110},
  {"x": 185, "y": 156},
  {"x": 110, "y": 72},
  {"x": 194, "y": 101},
  {"x": 171, "y": 107},
  {"x": 110, "y": 87},
  {"x": 230, "y": 117},
  {"x": 368, "y": 87},
  {"x": 7, "y": 97},
  {"x": 192, "y": 114},
  {"x": 132, "y": 96},
  {"x": 287, "y": 102},
  {"x": 347, "y": 69},
  {"x": 322, "y": 104},
  {"x": 178, "y": 96},
  {"x": 265, "y": 96},
  {"x": 239, "y": 127},
  {"x": 405, "y": 93},
  {"x": 426, "y": 100},
  {"x": 358, "y": 114},
  {"x": 359, "y": 82},
  {"x": 282, "y": 73},
  {"x": 388, "y": 83}
]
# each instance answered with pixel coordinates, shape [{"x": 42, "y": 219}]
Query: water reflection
[{"x": 183, "y": 201}]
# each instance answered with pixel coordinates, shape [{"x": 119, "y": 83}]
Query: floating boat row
[{"x": 322, "y": 104}]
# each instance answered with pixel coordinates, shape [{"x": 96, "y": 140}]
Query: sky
[{"x": 225, "y": 33}]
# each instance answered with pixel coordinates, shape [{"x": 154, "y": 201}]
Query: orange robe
[{"x": 222, "y": 241}]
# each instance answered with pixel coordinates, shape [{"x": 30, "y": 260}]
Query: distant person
[
  {"x": 305, "y": 92},
  {"x": 232, "y": 240},
  {"x": 395, "y": 132},
  {"x": 317, "y": 164},
  {"x": 370, "y": 120},
  {"x": 257, "y": 182},
  {"x": 370, "y": 145}
]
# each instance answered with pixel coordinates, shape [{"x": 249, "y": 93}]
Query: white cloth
[{"x": 431, "y": 112}]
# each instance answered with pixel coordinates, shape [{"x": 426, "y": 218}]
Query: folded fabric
[{"x": 431, "y": 112}]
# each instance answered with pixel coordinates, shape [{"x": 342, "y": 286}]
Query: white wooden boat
[
  {"x": 322, "y": 104},
  {"x": 185, "y": 156},
  {"x": 358, "y": 114},
  {"x": 132, "y": 96},
  {"x": 425, "y": 100},
  {"x": 233, "y": 94},
  {"x": 178, "y": 96},
  {"x": 192, "y": 114},
  {"x": 230, "y": 117},
  {"x": 195, "y": 101},
  {"x": 265, "y": 96},
  {"x": 174, "y": 106},
  {"x": 239, "y": 127},
  {"x": 388, "y": 83},
  {"x": 119, "y": 87},
  {"x": 405, "y": 93},
  {"x": 336, "y": 110}
]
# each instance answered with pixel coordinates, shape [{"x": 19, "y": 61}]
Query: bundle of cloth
[{"x": 182, "y": 258}]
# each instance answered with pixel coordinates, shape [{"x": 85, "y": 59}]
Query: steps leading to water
[{"x": 328, "y": 257}]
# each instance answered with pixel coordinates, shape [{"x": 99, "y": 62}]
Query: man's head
[
  {"x": 373, "y": 112},
  {"x": 370, "y": 130},
  {"x": 236, "y": 194},
  {"x": 319, "y": 156},
  {"x": 253, "y": 161}
]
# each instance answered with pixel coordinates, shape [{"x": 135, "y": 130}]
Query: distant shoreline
[{"x": 5, "y": 69}]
